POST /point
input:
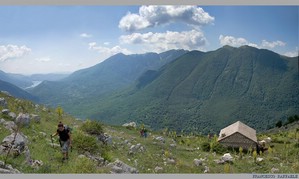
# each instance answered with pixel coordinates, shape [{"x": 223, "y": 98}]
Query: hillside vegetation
[{"x": 162, "y": 151}]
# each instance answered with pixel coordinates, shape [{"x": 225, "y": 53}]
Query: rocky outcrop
[
  {"x": 119, "y": 167},
  {"x": 3, "y": 102},
  {"x": 15, "y": 141},
  {"x": 160, "y": 138},
  {"x": 130, "y": 124},
  {"x": 136, "y": 148},
  {"x": 7, "y": 169},
  {"x": 5, "y": 111},
  {"x": 23, "y": 119}
]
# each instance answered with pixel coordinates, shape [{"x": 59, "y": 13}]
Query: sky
[{"x": 63, "y": 39}]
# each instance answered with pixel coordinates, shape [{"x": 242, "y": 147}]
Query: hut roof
[{"x": 240, "y": 128}]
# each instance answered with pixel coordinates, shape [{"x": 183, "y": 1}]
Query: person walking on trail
[{"x": 65, "y": 139}]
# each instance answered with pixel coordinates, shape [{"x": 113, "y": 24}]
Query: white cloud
[
  {"x": 151, "y": 16},
  {"x": 108, "y": 51},
  {"x": 43, "y": 59},
  {"x": 159, "y": 42},
  {"x": 85, "y": 35},
  {"x": 294, "y": 53},
  {"x": 13, "y": 51},
  {"x": 266, "y": 44},
  {"x": 233, "y": 41},
  {"x": 106, "y": 43}
]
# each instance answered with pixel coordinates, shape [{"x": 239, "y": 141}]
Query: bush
[
  {"x": 205, "y": 146},
  {"x": 92, "y": 127},
  {"x": 84, "y": 142}
]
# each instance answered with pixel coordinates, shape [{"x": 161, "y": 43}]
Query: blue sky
[{"x": 55, "y": 39}]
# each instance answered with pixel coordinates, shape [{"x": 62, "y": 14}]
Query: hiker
[
  {"x": 64, "y": 139},
  {"x": 141, "y": 133},
  {"x": 144, "y": 132}
]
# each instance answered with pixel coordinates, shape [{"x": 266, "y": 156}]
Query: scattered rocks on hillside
[
  {"x": 170, "y": 161},
  {"x": 5, "y": 111},
  {"x": 197, "y": 162},
  {"x": 23, "y": 119},
  {"x": 17, "y": 145},
  {"x": 136, "y": 148},
  {"x": 3, "y": 102},
  {"x": 160, "y": 138},
  {"x": 35, "y": 118},
  {"x": 173, "y": 145},
  {"x": 12, "y": 115},
  {"x": 158, "y": 169},
  {"x": 130, "y": 124},
  {"x": 120, "y": 167},
  {"x": 7, "y": 169},
  {"x": 99, "y": 160}
]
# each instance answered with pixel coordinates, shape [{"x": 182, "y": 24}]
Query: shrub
[
  {"x": 92, "y": 127},
  {"x": 205, "y": 146},
  {"x": 84, "y": 142}
]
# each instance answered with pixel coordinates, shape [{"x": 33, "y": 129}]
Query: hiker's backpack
[{"x": 68, "y": 128}]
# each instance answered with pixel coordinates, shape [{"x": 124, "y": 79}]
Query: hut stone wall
[{"x": 237, "y": 140}]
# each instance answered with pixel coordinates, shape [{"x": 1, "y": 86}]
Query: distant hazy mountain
[
  {"x": 205, "y": 91},
  {"x": 17, "y": 80},
  {"x": 16, "y": 91},
  {"x": 114, "y": 73}
]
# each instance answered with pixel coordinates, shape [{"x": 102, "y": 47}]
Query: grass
[{"x": 283, "y": 156}]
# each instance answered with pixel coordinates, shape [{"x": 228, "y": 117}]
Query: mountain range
[{"x": 181, "y": 90}]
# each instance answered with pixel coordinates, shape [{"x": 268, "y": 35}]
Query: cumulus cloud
[
  {"x": 233, "y": 41},
  {"x": 108, "y": 51},
  {"x": 274, "y": 44},
  {"x": 13, "y": 51},
  {"x": 237, "y": 42},
  {"x": 159, "y": 42},
  {"x": 85, "y": 35},
  {"x": 151, "y": 16}
]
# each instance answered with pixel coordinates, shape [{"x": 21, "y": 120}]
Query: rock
[
  {"x": 5, "y": 111},
  {"x": 207, "y": 169},
  {"x": 173, "y": 145},
  {"x": 54, "y": 145},
  {"x": 10, "y": 125},
  {"x": 130, "y": 124},
  {"x": 35, "y": 118},
  {"x": 227, "y": 157},
  {"x": 259, "y": 159},
  {"x": 18, "y": 145},
  {"x": 274, "y": 170},
  {"x": 136, "y": 148},
  {"x": 2, "y": 121},
  {"x": 37, "y": 163},
  {"x": 120, "y": 167},
  {"x": 105, "y": 138},
  {"x": 12, "y": 115},
  {"x": 7, "y": 169},
  {"x": 160, "y": 138},
  {"x": 23, "y": 119},
  {"x": 197, "y": 162},
  {"x": 171, "y": 161},
  {"x": 158, "y": 169},
  {"x": 3, "y": 102}
]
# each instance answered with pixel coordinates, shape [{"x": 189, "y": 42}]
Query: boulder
[
  {"x": 5, "y": 111},
  {"x": 7, "y": 169},
  {"x": 171, "y": 161},
  {"x": 197, "y": 162},
  {"x": 35, "y": 118},
  {"x": 10, "y": 125},
  {"x": 130, "y": 124},
  {"x": 173, "y": 145},
  {"x": 158, "y": 169},
  {"x": 120, "y": 167},
  {"x": 2, "y": 121},
  {"x": 219, "y": 161},
  {"x": 268, "y": 140},
  {"x": 17, "y": 145},
  {"x": 12, "y": 115},
  {"x": 3, "y": 102},
  {"x": 23, "y": 119},
  {"x": 36, "y": 164},
  {"x": 136, "y": 148},
  {"x": 227, "y": 157}
]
